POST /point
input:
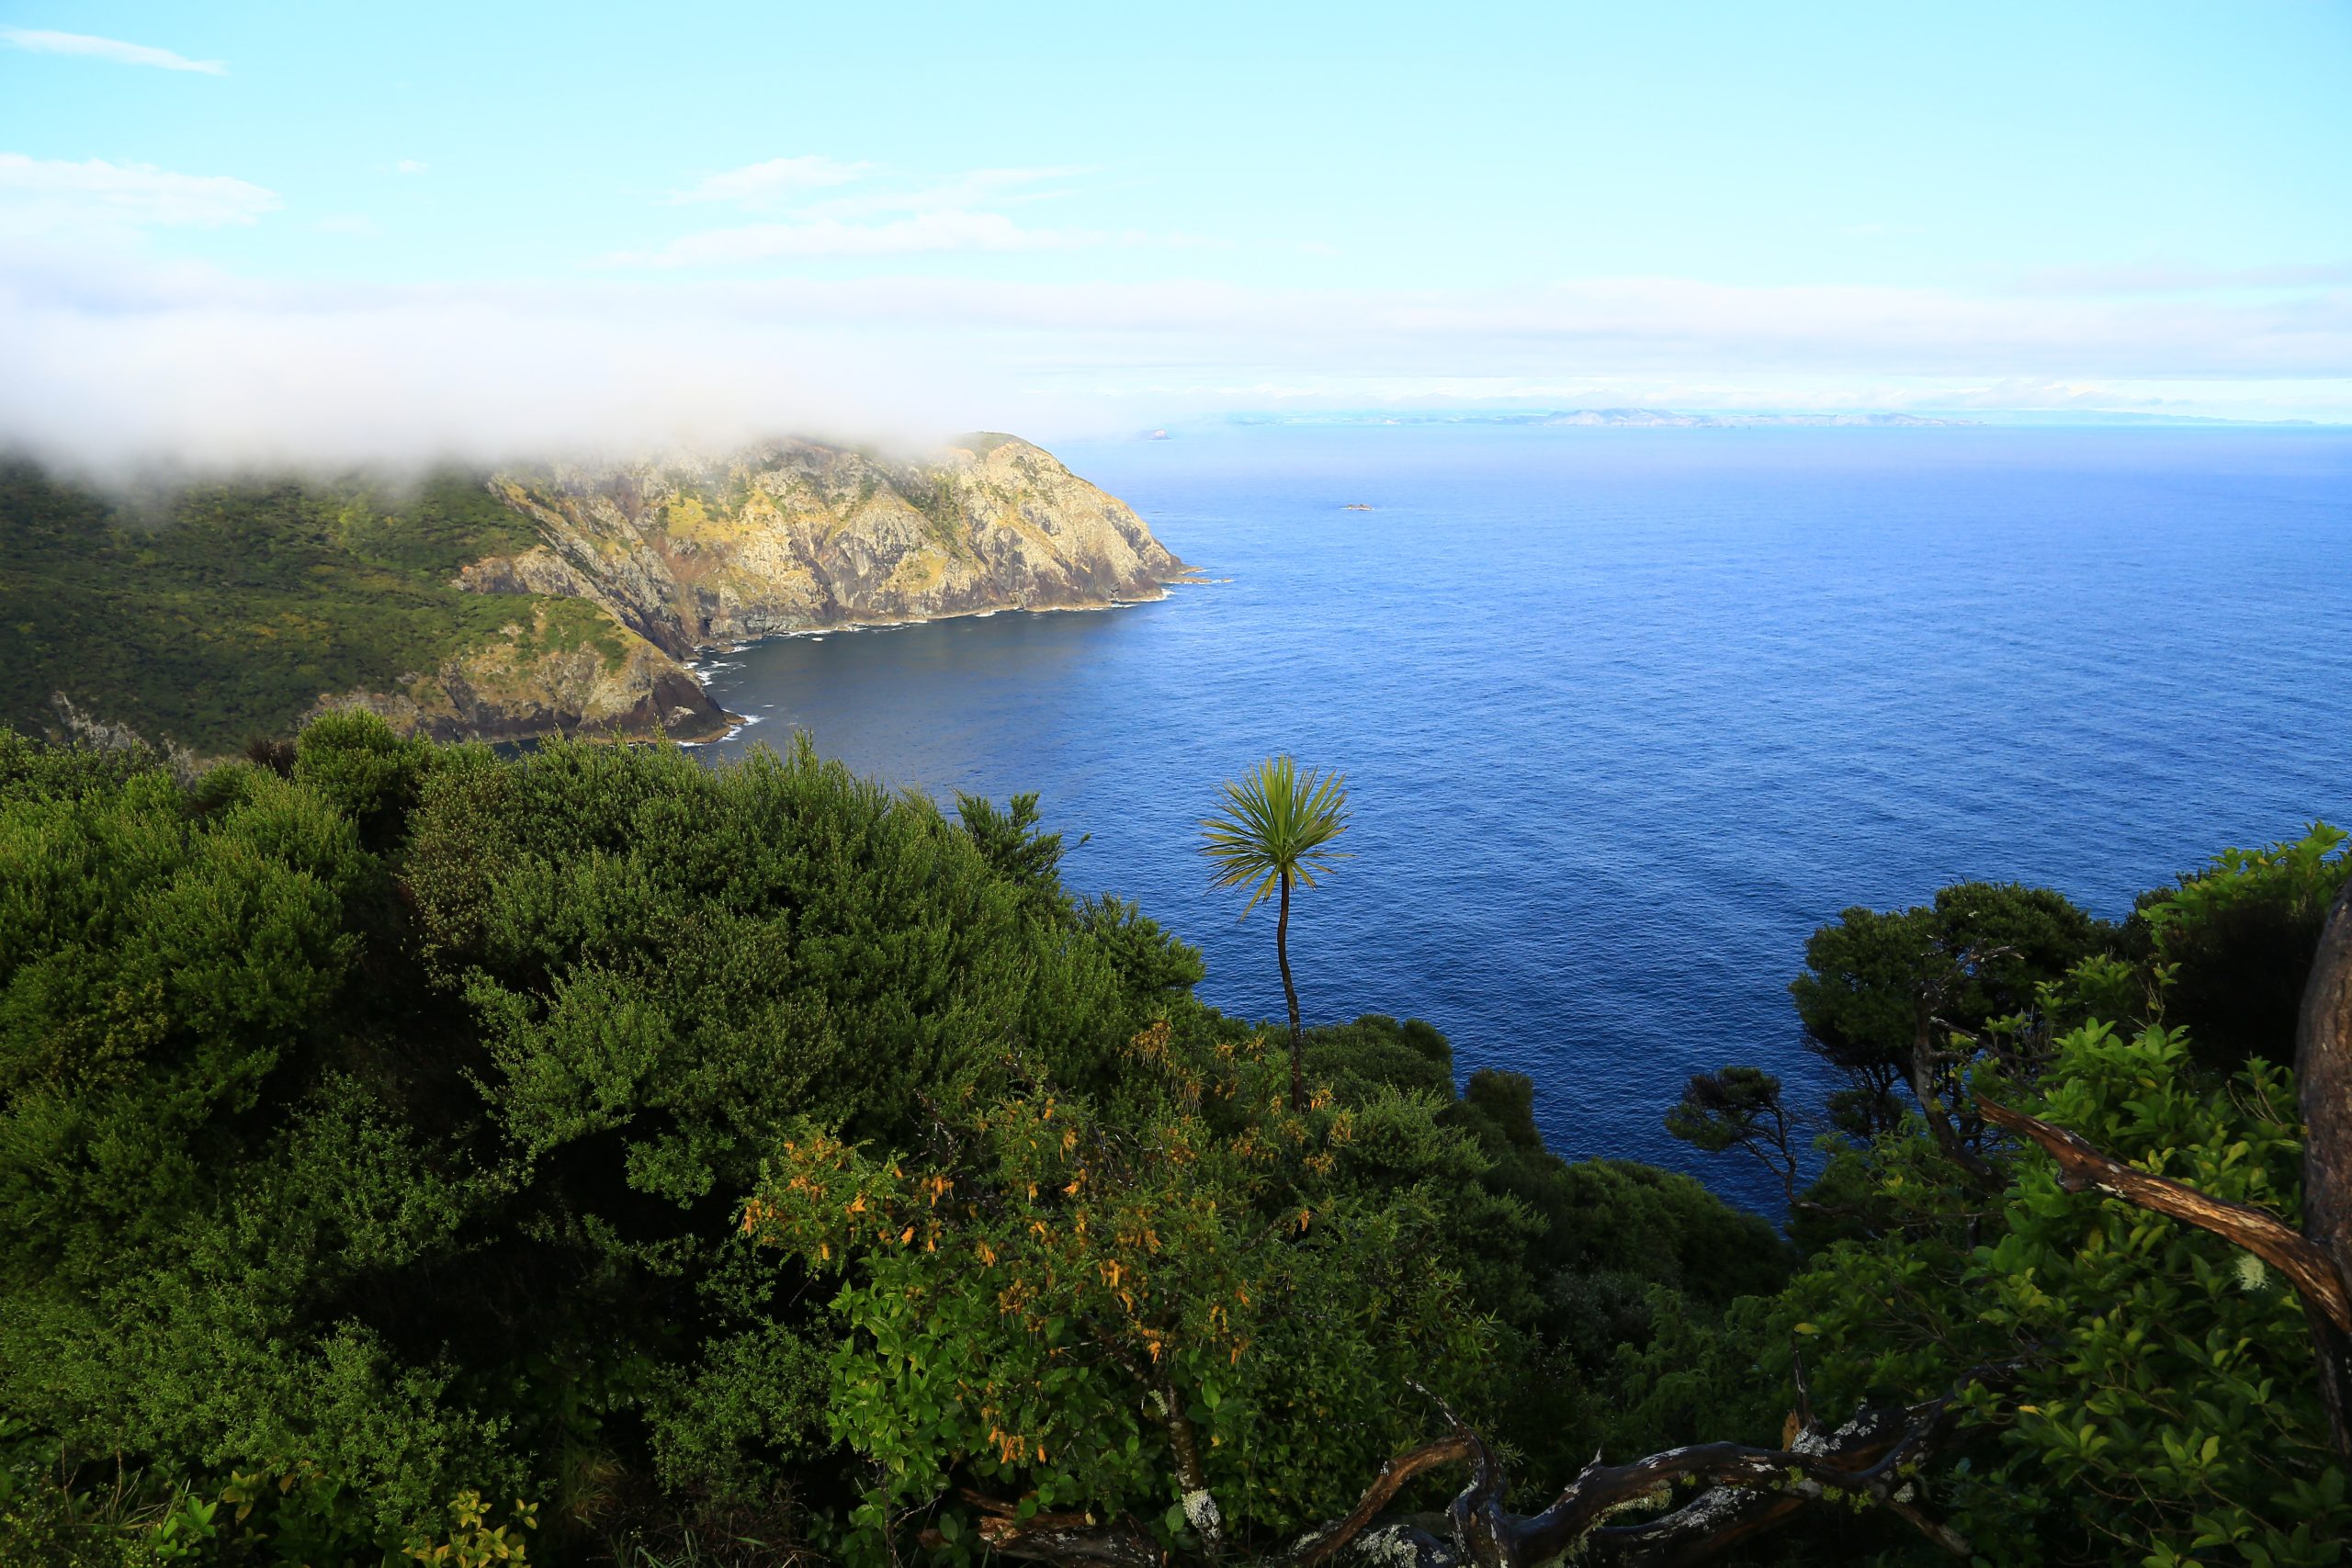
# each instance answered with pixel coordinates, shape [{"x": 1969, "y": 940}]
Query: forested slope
[{"x": 592, "y": 1156}]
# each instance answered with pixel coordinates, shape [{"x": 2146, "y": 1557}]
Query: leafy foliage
[
  {"x": 1738, "y": 1108},
  {"x": 2141, "y": 1391},
  {"x": 1276, "y": 828},
  {"x": 757, "y": 1161},
  {"x": 1873, "y": 980},
  {"x": 378, "y": 1124},
  {"x": 2235, "y": 942},
  {"x": 1105, "y": 1312},
  {"x": 2160, "y": 1403}
]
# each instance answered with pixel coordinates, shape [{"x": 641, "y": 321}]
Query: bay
[{"x": 1626, "y": 714}]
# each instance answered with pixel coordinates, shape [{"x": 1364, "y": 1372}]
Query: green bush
[
  {"x": 376, "y": 1126},
  {"x": 748, "y": 1160}
]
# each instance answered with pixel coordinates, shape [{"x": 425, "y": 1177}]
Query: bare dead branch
[
  {"x": 1077, "y": 1538},
  {"x": 1334, "y": 1537},
  {"x": 1743, "y": 1492}
]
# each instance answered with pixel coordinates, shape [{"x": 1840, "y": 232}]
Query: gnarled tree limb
[
  {"x": 1873, "y": 1456},
  {"x": 1077, "y": 1538},
  {"x": 2318, "y": 1259},
  {"x": 2083, "y": 1168},
  {"x": 1747, "y": 1491},
  {"x": 1335, "y": 1537}
]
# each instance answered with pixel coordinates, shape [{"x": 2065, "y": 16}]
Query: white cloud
[
  {"x": 38, "y": 194},
  {"x": 122, "y": 54},
  {"x": 956, "y": 192},
  {"x": 410, "y": 166},
  {"x": 777, "y": 181},
  {"x": 2032, "y": 392},
  {"x": 923, "y": 232},
  {"x": 224, "y": 372},
  {"x": 952, "y": 213}
]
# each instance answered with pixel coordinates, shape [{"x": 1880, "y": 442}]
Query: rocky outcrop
[
  {"x": 639, "y": 565},
  {"x": 795, "y": 536},
  {"x": 535, "y": 680}
]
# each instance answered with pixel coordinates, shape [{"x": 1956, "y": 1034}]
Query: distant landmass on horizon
[{"x": 1735, "y": 419}]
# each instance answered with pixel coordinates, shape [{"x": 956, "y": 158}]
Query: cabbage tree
[{"x": 1277, "y": 828}]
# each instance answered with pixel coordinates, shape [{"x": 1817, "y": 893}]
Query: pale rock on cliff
[
  {"x": 541, "y": 679},
  {"x": 795, "y": 536}
]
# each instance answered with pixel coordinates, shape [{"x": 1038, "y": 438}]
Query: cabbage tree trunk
[{"x": 1290, "y": 995}]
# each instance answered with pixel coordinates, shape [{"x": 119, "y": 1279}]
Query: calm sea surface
[{"x": 1627, "y": 714}]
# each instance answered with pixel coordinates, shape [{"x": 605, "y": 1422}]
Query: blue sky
[{"x": 305, "y": 218}]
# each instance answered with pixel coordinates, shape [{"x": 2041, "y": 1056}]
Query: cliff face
[
  {"x": 795, "y": 536},
  {"x": 542, "y": 677},
  {"x": 467, "y": 605}
]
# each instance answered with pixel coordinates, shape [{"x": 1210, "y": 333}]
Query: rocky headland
[
  {"x": 797, "y": 536},
  {"x": 791, "y": 536},
  {"x": 535, "y": 600}
]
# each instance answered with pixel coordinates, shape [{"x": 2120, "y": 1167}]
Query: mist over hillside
[{"x": 519, "y": 602}]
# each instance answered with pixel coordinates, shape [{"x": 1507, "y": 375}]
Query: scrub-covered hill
[{"x": 526, "y": 601}]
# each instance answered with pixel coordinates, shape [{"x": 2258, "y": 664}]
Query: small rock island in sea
[{"x": 531, "y": 600}]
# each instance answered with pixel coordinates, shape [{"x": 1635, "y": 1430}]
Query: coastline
[{"x": 704, "y": 663}]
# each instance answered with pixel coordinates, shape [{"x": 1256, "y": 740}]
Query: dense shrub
[
  {"x": 412, "y": 1153},
  {"x": 2135, "y": 1390},
  {"x": 377, "y": 1127}
]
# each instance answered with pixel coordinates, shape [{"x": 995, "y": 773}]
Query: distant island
[
  {"x": 1629, "y": 417},
  {"x": 1740, "y": 419},
  {"x": 530, "y": 600},
  {"x": 1735, "y": 421}
]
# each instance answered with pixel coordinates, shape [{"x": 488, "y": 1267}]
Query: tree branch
[
  {"x": 1067, "y": 1537},
  {"x": 1747, "y": 1491},
  {"x": 2082, "y": 1167},
  {"x": 1751, "y": 1489},
  {"x": 1057, "y": 1538},
  {"x": 1335, "y": 1537},
  {"x": 1922, "y": 1067}
]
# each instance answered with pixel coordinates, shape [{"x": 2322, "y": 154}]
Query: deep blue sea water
[{"x": 1626, "y": 714}]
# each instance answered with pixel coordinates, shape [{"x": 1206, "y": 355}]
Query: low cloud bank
[
  {"x": 119, "y": 363},
  {"x": 334, "y": 377}
]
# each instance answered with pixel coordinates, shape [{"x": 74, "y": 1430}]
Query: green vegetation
[
  {"x": 2138, "y": 1390},
  {"x": 213, "y": 614},
  {"x": 419, "y": 1124},
  {"x": 2234, "y": 946},
  {"x": 408, "y": 1155}
]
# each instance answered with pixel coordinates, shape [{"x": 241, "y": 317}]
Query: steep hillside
[
  {"x": 522, "y": 603},
  {"x": 795, "y": 536}
]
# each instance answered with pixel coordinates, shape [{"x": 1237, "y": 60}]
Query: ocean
[{"x": 1626, "y": 713}]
